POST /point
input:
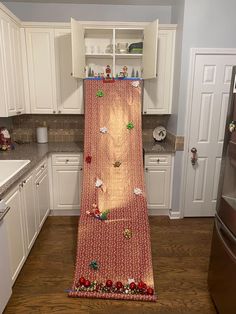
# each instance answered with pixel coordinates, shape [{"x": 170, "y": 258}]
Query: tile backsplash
[{"x": 69, "y": 128}]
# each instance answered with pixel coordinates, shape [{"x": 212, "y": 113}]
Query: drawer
[
  {"x": 41, "y": 167},
  {"x": 157, "y": 160},
  {"x": 67, "y": 159}
]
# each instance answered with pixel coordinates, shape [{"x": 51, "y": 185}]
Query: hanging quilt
[{"x": 114, "y": 252}]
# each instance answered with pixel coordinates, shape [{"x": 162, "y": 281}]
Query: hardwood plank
[{"x": 180, "y": 250}]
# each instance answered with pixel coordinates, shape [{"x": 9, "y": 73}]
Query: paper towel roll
[{"x": 42, "y": 135}]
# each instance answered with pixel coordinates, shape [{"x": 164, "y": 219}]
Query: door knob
[
  {"x": 194, "y": 156},
  {"x": 232, "y": 126}
]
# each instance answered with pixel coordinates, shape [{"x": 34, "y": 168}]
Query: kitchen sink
[{"x": 9, "y": 168}]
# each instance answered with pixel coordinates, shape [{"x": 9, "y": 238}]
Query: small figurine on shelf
[
  {"x": 92, "y": 73},
  {"x": 89, "y": 72},
  {"x": 133, "y": 73},
  {"x": 108, "y": 72},
  {"x": 124, "y": 72},
  {"x": 137, "y": 74}
]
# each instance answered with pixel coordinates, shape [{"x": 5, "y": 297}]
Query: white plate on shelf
[{"x": 159, "y": 133}]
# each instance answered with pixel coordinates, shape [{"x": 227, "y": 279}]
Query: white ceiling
[{"x": 117, "y": 2}]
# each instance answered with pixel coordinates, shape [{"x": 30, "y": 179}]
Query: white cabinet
[
  {"x": 158, "y": 91},
  {"x": 158, "y": 181},
  {"x": 41, "y": 69},
  {"x": 69, "y": 89},
  {"x": 29, "y": 207},
  {"x": 11, "y": 71},
  {"x": 66, "y": 181},
  {"x": 15, "y": 232},
  {"x": 28, "y": 202},
  {"x": 42, "y": 197},
  {"x": 5, "y": 272},
  {"x": 95, "y": 47}
]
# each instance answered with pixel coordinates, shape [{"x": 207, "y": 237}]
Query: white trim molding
[{"x": 194, "y": 52}]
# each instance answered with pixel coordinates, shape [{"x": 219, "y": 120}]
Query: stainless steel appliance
[{"x": 222, "y": 268}]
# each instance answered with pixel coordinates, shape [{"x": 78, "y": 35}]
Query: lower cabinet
[
  {"x": 66, "y": 181},
  {"x": 158, "y": 181},
  {"x": 29, "y": 207},
  {"x": 28, "y": 202},
  {"x": 15, "y": 232},
  {"x": 42, "y": 197}
]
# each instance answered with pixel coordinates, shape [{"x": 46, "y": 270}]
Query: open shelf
[
  {"x": 99, "y": 55},
  {"x": 128, "y": 55}
]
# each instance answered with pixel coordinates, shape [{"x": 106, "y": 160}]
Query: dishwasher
[{"x": 5, "y": 272}]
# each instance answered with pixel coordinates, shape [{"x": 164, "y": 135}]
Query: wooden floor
[{"x": 180, "y": 259}]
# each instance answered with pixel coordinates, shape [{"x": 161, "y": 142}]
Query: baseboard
[
  {"x": 174, "y": 214},
  {"x": 158, "y": 212},
  {"x": 65, "y": 212}
]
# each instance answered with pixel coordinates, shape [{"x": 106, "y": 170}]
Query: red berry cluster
[{"x": 132, "y": 288}]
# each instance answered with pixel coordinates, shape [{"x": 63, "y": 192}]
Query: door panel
[
  {"x": 70, "y": 89},
  {"x": 78, "y": 49},
  {"x": 150, "y": 50},
  {"x": 42, "y": 198},
  {"x": 207, "y": 125}
]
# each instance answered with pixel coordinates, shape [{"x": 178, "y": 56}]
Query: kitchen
[{"x": 37, "y": 63}]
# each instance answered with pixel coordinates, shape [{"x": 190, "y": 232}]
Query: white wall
[
  {"x": 207, "y": 24},
  {"x": 59, "y": 12}
]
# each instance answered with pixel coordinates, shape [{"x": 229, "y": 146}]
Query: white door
[
  {"x": 15, "y": 233},
  {"x": 41, "y": 67},
  {"x": 67, "y": 187},
  {"x": 78, "y": 49},
  {"x": 210, "y": 94},
  {"x": 158, "y": 91},
  {"x": 69, "y": 88},
  {"x": 150, "y": 50},
  {"x": 42, "y": 198},
  {"x": 28, "y": 193},
  {"x": 157, "y": 180},
  {"x": 9, "y": 67},
  {"x": 17, "y": 68}
]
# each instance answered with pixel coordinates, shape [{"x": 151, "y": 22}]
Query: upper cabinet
[
  {"x": 69, "y": 89},
  {"x": 12, "y": 100},
  {"x": 158, "y": 92},
  {"x": 93, "y": 48},
  {"x": 41, "y": 69}
]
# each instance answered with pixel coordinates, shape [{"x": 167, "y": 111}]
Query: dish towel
[{"x": 114, "y": 252}]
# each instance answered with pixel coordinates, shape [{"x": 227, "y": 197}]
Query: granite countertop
[{"x": 36, "y": 152}]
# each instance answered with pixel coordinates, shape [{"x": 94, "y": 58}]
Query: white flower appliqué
[
  {"x": 103, "y": 130},
  {"x": 138, "y": 191},
  {"x": 135, "y": 83}
]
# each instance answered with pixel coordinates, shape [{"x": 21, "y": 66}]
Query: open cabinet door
[
  {"x": 78, "y": 49},
  {"x": 150, "y": 50}
]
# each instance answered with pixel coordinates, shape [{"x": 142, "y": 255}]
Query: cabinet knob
[
  {"x": 71, "y": 74},
  {"x": 54, "y": 111},
  {"x": 37, "y": 184},
  {"x": 67, "y": 160},
  {"x": 81, "y": 169},
  {"x": 59, "y": 111},
  {"x": 146, "y": 169},
  {"x": 145, "y": 112},
  {"x": 158, "y": 160},
  {"x": 42, "y": 167},
  {"x": 18, "y": 112}
]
